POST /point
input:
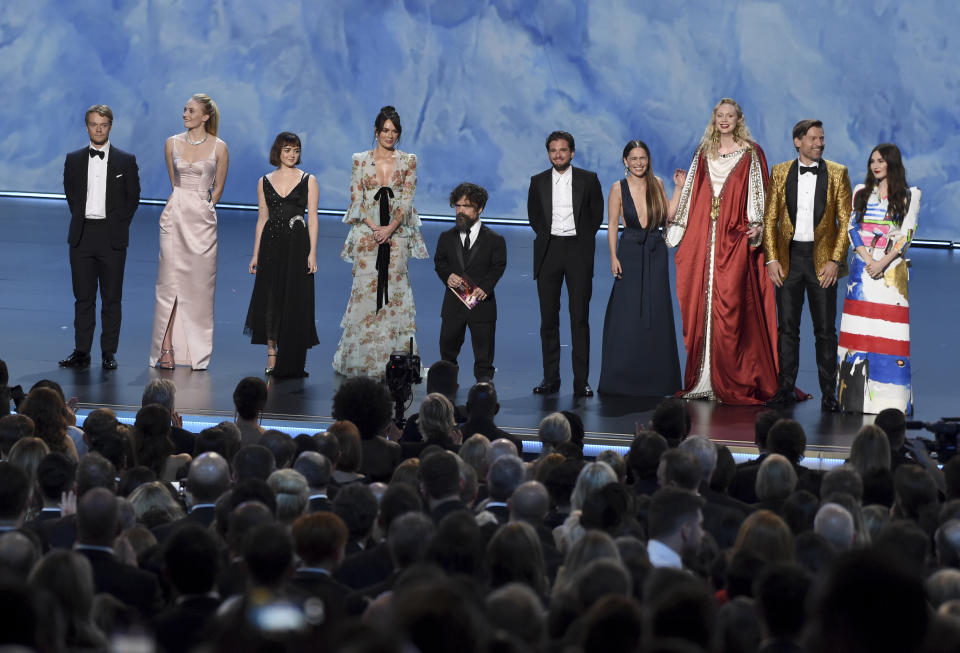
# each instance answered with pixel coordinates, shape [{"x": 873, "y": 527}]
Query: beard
[
  {"x": 563, "y": 168},
  {"x": 464, "y": 222}
]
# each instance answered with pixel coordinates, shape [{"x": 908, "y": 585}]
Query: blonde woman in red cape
[{"x": 727, "y": 300}]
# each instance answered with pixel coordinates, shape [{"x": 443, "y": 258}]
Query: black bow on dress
[{"x": 384, "y": 195}]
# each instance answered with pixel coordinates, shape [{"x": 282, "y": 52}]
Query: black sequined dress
[{"x": 281, "y": 308}]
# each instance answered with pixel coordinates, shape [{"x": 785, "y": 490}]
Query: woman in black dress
[
  {"x": 639, "y": 341},
  {"x": 284, "y": 261}
]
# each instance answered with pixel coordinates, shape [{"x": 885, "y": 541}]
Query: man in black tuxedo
[
  {"x": 565, "y": 209},
  {"x": 102, "y": 185},
  {"x": 472, "y": 250}
]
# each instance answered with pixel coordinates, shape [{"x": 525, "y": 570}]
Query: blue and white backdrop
[{"x": 479, "y": 83}]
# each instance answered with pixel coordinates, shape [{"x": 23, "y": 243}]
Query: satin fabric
[
  {"x": 744, "y": 334},
  {"x": 188, "y": 263}
]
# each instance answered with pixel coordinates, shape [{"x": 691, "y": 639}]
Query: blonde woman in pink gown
[{"x": 197, "y": 164}]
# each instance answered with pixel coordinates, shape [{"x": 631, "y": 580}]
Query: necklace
[{"x": 203, "y": 140}]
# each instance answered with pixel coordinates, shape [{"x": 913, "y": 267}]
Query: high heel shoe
[
  {"x": 166, "y": 365},
  {"x": 269, "y": 368}
]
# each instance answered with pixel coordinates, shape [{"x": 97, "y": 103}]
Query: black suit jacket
[
  {"x": 122, "y": 196},
  {"x": 587, "y": 213},
  {"x": 131, "y": 585},
  {"x": 201, "y": 515},
  {"x": 370, "y": 566},
  {"x": 488, "y": 429},
  {"x": 180, "y": 627},
  {"x": 484, "y": 265}
]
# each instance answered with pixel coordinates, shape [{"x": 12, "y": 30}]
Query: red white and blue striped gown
[{"x": 874, "y": 343}]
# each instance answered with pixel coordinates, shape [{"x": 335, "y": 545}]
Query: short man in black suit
[
  {"x": 565, "y": 209},
  {"x": 473, "y": 250},
  {"x": 102, "y": 185}
]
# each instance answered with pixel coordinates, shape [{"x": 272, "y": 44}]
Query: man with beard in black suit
[
  {"x": 471, "y": 250},
  {"x": 102, "y": 185}
]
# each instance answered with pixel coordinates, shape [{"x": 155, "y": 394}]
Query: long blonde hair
[
  {"x": 711, "y": 136},
  {"x": 209, "y": 109}
]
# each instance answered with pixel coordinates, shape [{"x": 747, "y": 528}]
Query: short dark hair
[
  {"x": 561, "y": 136},
  {"x": 671, "y": 420},
  {"x": 283, "y": 139},
  {"x": 192, "y": 559},
  {"x": 682, "y": 468},
  {"x": 268, "y": 551},
  {"x": 894, "y": 424},
  {"x": 801, "y": 128},
  {"x": 249, "y": 397},
  {"x": 280, "y": 445},
  {"x": 365, "y": 402},
  {"x": 398, "y": 500},
  {"x": 315, "y": 467},
  {"x": 213, "y": 439},
  {"x": 55, "y": 474},
  {"x": 761, "y": 426},
  {"x": 442, "y": 378},
  {"x": 780, "y": 593},
  {"x": 786, "y": 437},
  {"x": 669, "y": 508},
  {"x": 12, "y": 428},
  {"x": 253, "y": 461},
  {"x": 357, "y": 506},
  {"x": 440, "y": 474},
  {"x": 319, "y": 537},
  {"x": 644, "y": 455},
  {"x": 94, "y": 470},
  {"x": 476, "y": 195},
  {"x": 14, "y": 490}
]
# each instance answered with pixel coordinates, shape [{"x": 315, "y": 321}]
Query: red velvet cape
[{"x": 744, "y": 339}]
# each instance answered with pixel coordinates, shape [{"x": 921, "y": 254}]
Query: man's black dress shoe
[
  {"x": 783, "y": 397},
  {"x": 829, "y": 405},
  {"x": 109, "y": 362},
  {"x": 546, "y": 388},
  {"x": 77, "y": 359},
  {"x": 583, "y": 391}
]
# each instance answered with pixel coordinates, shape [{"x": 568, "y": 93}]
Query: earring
[{"x": 626, "y": 171}]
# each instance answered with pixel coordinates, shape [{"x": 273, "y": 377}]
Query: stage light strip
[{"x": 430, "y": 217}]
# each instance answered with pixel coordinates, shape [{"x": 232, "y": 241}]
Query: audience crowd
[{"x": 449, "y": 536}]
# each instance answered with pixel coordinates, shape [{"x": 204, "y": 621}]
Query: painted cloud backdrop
[{"x": 479, "y": 83}]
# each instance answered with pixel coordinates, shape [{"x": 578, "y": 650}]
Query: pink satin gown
[{"x": 188, "y": 262}]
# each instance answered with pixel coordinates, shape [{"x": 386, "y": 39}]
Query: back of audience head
[
  {"x": 18, "y": 555},
  {"x": 615, "y": 461},
  {"x": 705, "y": 450},
  {"x": 516, "y": 609},
  {"x": 151, "y": 432},
  {"x": 577, "y": 431},
  {"x": 15, "y": 488},
  {"x": 554, "y": 430},
  {"x": 894, "y": 425},
  {"x": 366, "y": 403},
  {"x": 50, "y": 416},
  {"x": 776, "y": 478},
  {"x": 474, "y": 451},
  {"x": 438, "y": 616},
  {"x": 159, "y": 391},
  {"x": 207, "y": 478},
  {"x": 12, "y": 428},
  {"x": 725, "y": 470},
  {"x": 610, "y": 508},
  {"x": 440, "y": 476},
  {"x": 943, "y": 585},
  {"x": 280, "y": 445},
  {"x": 644, "y": 455},
  {"x": 357, "y": 507},
  {"x": 243, "y": 518},
  {"x": 505, "y": 474},
  {"x": 951, "y": 476},
  {"x": 685, "y": 611},
  {"x": 268, "y": 552},
  {"x": 761, "y": 427},
  {"x": 94, "y": 470},
  {"x": 529, "y": 502},
  {"x": 457, "y": 546},
  {"x": 500, "y": 447},
  {"x": 787, "y": 438},
  {"x": 906, "y": 541},
  {"x": 592, "y": 476},
  {"x": 870, "y": 450},
  {"x": 915, "y": 490},
  {"x": 869, "y": 604},
  {"x": 677, "y": 515},
  {"x": 348, "y": 440},
  {"x": 738, "y": 628},
  {"x": 842, "y": 479},
  {"x": 316, "y": 468},
  {"x": 398, "y": 499},
  {"x": 215, "y": 439},
  {"x": 947, "y": 543},
  {"x": 436, "y": 417},
  {"x": 292, "y": 493},
  {"x": 250, "y": 397},
  {"x": 153, "y": 504},
  {"x": 679, "y": 468},
  {"x": 780, "y": 595},
  {"x": 799, "y": 511},
  {"x": 191, "y": 559},
  {"x": 408, "y": 538},
  {"x": 835, "y": 524},
  {"x": 514, "y": 554},
  {"x": 482, "y": 401},
  {"x": 767, "y": 535},
  {"x": 320, "y": 539},
  {"x": 561, "y": 480},
  {"x": 671, "y": 419},
  {"x": 27, "y": 454},
  {"x": 98, "y": 516},
  {"x": 442, "y": 378},
  {"x": 253, "y": 461},
  {"x": 68, "y": 577},
  {"x": 408, "y": 471}
]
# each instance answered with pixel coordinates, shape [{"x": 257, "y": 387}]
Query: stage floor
[{"x": 36, "y": 330}]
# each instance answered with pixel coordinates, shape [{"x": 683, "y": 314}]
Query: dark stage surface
[{"x": 36, "y": 330}]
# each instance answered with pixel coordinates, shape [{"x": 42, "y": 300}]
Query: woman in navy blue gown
[{"x": 639, "y": 341}]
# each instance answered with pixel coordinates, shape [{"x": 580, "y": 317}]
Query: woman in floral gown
[{"x": 384, "y": 233}]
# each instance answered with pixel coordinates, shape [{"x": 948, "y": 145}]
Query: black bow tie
[
  {"x": 95, "y": 152},
  {"x": 811, "y": 169}
]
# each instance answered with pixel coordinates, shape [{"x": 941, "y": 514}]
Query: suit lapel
[
  {"x": 820, "y": 197},
  {"x": 577, "y": 195},
  {"x": 546, "y": 198},
  {"x": 475, "y": 246},
  {"x": 790, "y": 192}
]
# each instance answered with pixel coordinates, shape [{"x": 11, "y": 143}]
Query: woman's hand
[
  {"x": 754, "y": 231},
  {"x": 679, "y": 177},
  {"x": 615, "y": 267},
  {"x": 311, "y": 263},
  {"x": 875, "y": 269},
  {"x": 457, "y": 436},
  {"x": 253, "y": 265}
]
